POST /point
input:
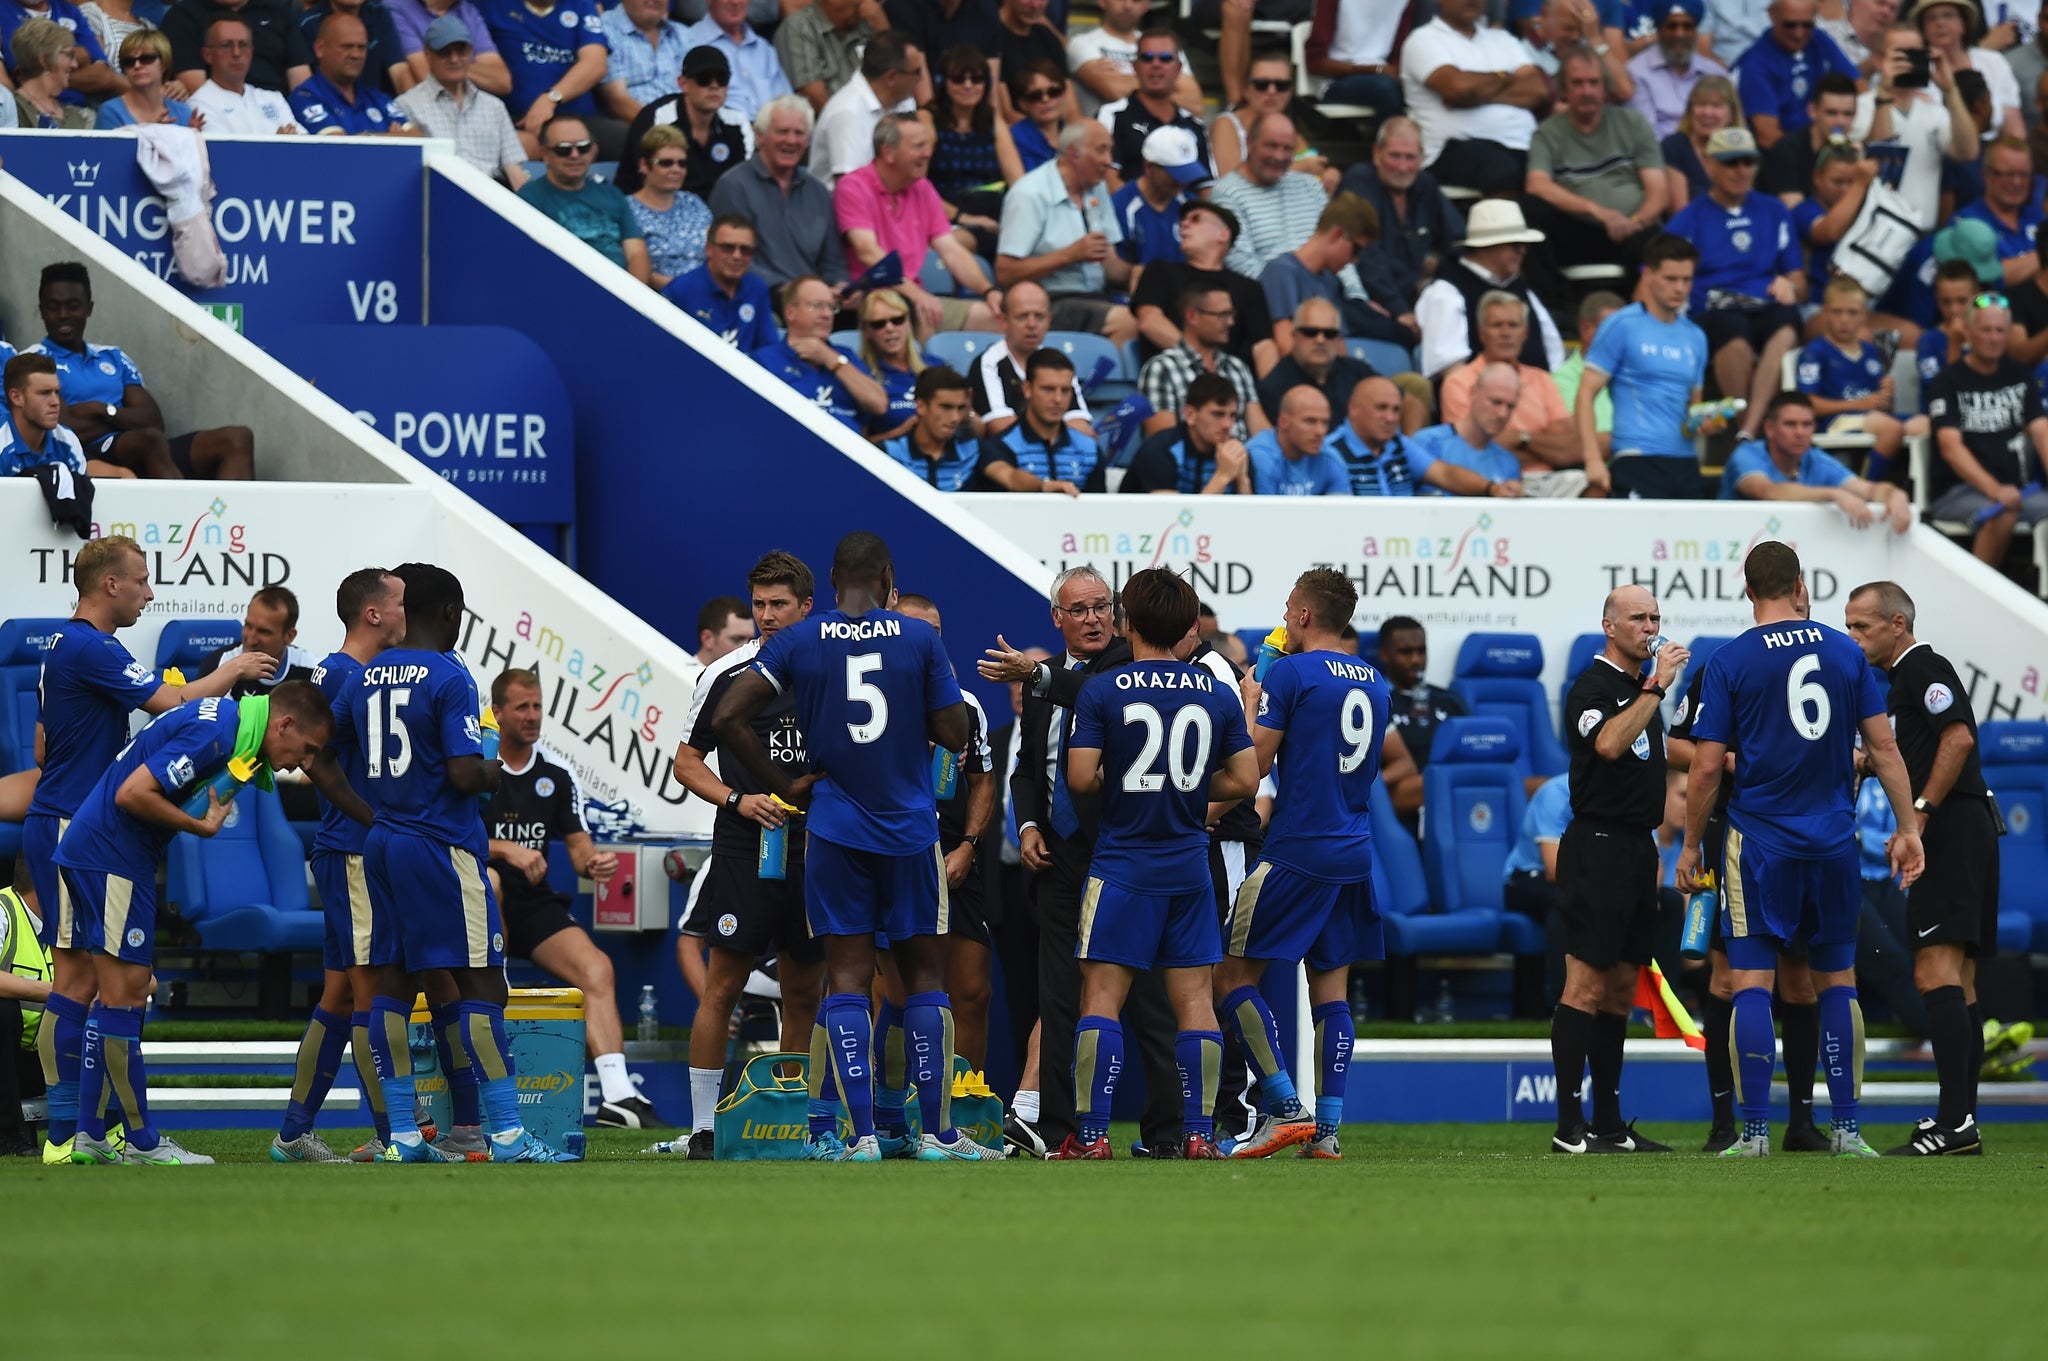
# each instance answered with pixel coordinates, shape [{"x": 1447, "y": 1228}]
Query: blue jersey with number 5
[
  {"x": 863, "y": 686},
  {"x": 410, "y": 713},
  {"x": 1163, "y": 729},
  {"x": 1787, "y": 699},
  {"x": 1333, "y": 710}
]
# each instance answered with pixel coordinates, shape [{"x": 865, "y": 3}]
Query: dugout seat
[
  {"x": 2015, "y": 760},
  {"x": 1584, "y": 649},
  {"x": 1472, "y": 804},
  {"x": 244, "y": 892},
  {"x": 22, "y": 642},
  {"x": 1500, "y": 675},
  {"x": 185, "y": 643}
]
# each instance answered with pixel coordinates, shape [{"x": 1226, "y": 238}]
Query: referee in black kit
[
  {"x": 1952, "y": 910},
  {"x": 1607, "y": 866}
]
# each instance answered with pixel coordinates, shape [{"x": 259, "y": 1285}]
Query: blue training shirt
[
  {"x": 745, "y": 320},
  {"x": 103, "y": 373},
  {"x": 1322, "y": 473},
  {"x": 1163, "y": 729},
  {"x": 1653, "y": 367},
  {"x": 1444, "y": 444},
  {"x": 1548, "y": 814},
  {"x": 1396, "y": 470},
  {"x": 1070, "y": 457},
  {"x": 336, "y": 673},
  {"x": 89, "y": 686},
  {"x": 950, "y": 472},
  {"x": 183, "y": 748},
  {"x": 1788, "y": 698},
  {"x": 410, "y": 713},
  {"x": 1333, "y": 711},
  {"x": 864, "y": 685},
  {"x": 1817, "y": 468},
  {"x": 818, "y": 386},
  {"x": 539, "y": 48}
]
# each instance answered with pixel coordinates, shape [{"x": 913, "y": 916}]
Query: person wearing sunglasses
[
  {"x": 226, "y": 99},
  {"x": 590, "y": 210},
  {"x": 889, "y": 350},
  {"x": 1990, "y": 436},
  {"x": 1104, "y": 59},
  {"x": 1038, "y": 92},
  {"x": 335, "y": 101},
  {"x": 757, "y": 74},
  {"x": 145, "y": 59},
  {"x": 1316, "y": 358},
  {"x": 1779, "y": 71},
  {"x": 1268, "y": 89},
  {"x": 973, "y": 159},
  {"x": 448, "y": 103},
  {"x": 1150, "y": 107},
  {"x": 674, "y": 219},
  {"x": 1024, "y": 35},
  {"x": 723, "y": 293},
  {"x": 719, "y": 137},
  {"x": 1665, "y": 72}
]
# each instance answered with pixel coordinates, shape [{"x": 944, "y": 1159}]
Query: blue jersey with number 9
[
  {"x": 863, "y": 686},
  {"x": 1788, "y": 698},
  {"x": 411, "y": 712},
  {"x": 1333, "y": 710}
]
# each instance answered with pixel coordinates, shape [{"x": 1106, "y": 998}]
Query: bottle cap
[{"x": 785, "y": 805}]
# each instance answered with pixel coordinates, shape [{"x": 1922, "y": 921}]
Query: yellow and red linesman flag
[{"x": 1673, "y": 1021}]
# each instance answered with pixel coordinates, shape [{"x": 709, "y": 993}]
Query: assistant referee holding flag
[
  {"x": 1607, "y": 866},
  {"x": 1952, "y": 909}
]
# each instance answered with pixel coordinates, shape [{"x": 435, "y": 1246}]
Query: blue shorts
[
  {"x": 1148, "y": 930},
  {"x": 112, "y": 915},
  {"x": 40, "y": 833},
  {"x": 848, "y": 892},
  {"x": 438, "y": 900},
  {"x": 357, "y": 934},
  {"x": 1769, "y": 900},
  {"x": 1280, "y": 914}
]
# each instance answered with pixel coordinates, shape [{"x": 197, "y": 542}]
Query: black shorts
[
  {"x": 529, "y": 921},
  {"x": 1607, "y": 893},
  {"x": 1754, "y": 324},
  {"x": 739, "y": 911},
  {"x": 1080, "y": 312},
  {"x": 1660, "y": 477},
  {"x": 967, "y": 909},
  {"x": 1955, "y": 900},
  {"x": 181, "y": 450}
]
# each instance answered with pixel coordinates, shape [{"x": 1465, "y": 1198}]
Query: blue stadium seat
[
  {"x": 1252, "y": 638},
  {"x": 1703, "y": 649},
  {"x": 1089, "y": 352},
  {"x": 1369, "y": 646},
  {"x": 2015, "y": 760},
  {"x": 1400, "y": 889},
  {"x": 1499, "y": 675},
  {"x": 245, "y": 889},
  {"x": 958, "y": 350},
  {"x": 1382, "y": 355},
  {"x": 185, "y": 643},
  {"x": 22, "y": 643},
  {"x": 1584, "y": 649},
  {"x": 1472, "y": 804},
  {"x": 936, "y": 278},
  {"x": 846, "y": 340}
]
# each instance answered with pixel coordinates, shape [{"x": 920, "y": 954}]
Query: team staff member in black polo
[
  {"x": 741, "y": 914},
  {"x": 1607, "y": 866},
  {"x": 538, "y": 801},
  {"x": 1952, "y": 910}
]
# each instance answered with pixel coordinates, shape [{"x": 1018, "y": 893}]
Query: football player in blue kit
[
  {"x": 1160, "y": 741},
  {"x": 1790, "y": 696},
  {"x": 109, "y": 859},
  {"x": 872, "y": 688},
  {"x": 415, "y": 712},
  {"x": 1322, "y": 712}
]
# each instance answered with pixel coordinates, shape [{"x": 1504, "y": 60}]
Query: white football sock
[
  {"x": 704, "y": 1083},
  {"x": 612, "y": 1076},
  {"x": 1025, "y": 1107}
]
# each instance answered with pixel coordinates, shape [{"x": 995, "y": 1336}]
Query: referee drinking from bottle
[
  {"x": 1607, "y": 866},
  {"x": 1952, "y": 909}
]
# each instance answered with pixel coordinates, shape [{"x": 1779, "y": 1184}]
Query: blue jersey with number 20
[
  {"x": 1333, "y": 710},
  {"x": 1163, "y": 729},
  {"x": 863, "y": 685},
  {"x": 412, "y": 712},
  {"x": 1787, "y": 698}
]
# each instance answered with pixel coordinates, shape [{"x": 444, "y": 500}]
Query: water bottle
[
  {"x": 774, "y": 858},
  {"x": 945, "y": 773},
  {"x": 1699, "y": 918},
  {"x": 1271, "y": 650},
  {"x": 225, "y": 784},
  {"x": 1699, "y": 414},
  {"x": 650, "y": 1015},
  {"x": 1994, "y": 510},
  {"x": 488, "y": 722}
]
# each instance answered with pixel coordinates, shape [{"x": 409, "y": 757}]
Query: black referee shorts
[
  {"x": 1955, "y": 900},
  {"x": 531, "y": 920},
  {"x": 967, "y": 912},
  {"x": 740, "y": 911},
  {"x": 1607, "y": 892}
]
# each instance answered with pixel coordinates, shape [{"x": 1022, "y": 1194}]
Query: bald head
[
  {"x": 1304, "y": 421},
  {"x": 1375, "y": 412},
  {"x": 1494, "y": 395}
]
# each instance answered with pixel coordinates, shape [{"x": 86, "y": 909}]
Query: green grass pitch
[{"x": 1426, "y": 1241}]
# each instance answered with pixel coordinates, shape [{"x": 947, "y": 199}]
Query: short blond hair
[
  {"x": 145, "y": 40},
  {"x": 659, "y": 136},
  {"x": 101, "y": 558},
  {"x": 1842, "y": 286}
]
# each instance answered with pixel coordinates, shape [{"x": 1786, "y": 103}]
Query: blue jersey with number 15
[
  {"x": 1333, "y": 710},
  {"x": 863, "y": 685},
  {"x": 1788, "y": 698},
  {"x": 411, "y": 712},
  {"x": 1163, "y": 729}
]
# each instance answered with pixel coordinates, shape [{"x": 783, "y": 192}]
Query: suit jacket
[{"x": 1029, "y": 788}]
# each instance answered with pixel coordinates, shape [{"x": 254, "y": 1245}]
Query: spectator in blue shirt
[
  {"x": 386, "y": 66},
  {"x": 646, "y": 56},
  {"x": 1779, "y": 71},
  {"x": 592, "y": 211},
  {"x": 335, "y": 100},
  {"x": 1380, "y": 461},
  {"x": 1751, "y": 279},
  {"x": 889, "y": 350},
  {"x": 32, "y": 433},
  {"x": 1198, "y": 457},
  {"x": 805, "y": 359},
  {"x": 1849, "y": 379},
  {"x": 91, "y": 78},
  {"x": 1652, "y": 361},
  {"x": 1289, "y": 459},
  {"x": 940, "y": 446},
  {"x": 1148, "y": 206},
  {"x": 2009, "y": 207},
  {"x": 557, "y": 55},
  {"x": 757, "y": 74},
  {"x": 1469, "y": 459},
  {"x": 723, "y": 293},
  {"x": 1784, "y": 466},
  {"x": 145, "y": 60},
  {"x": 1039, "y": 450}
]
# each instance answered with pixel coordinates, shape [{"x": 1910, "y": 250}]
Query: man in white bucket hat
[{"x": 1496, "y": 238}]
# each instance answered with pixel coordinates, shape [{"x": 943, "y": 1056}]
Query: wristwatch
[
  {"x": 1921, "y": 805},
  {"x": 112, "y": 411},
  {"x": 732, "y": 801},
  {"x": 1652, "y": 688},
  {"x": 972, "y": 842}
]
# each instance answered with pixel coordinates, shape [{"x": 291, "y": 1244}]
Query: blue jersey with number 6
[
  {"x": 863, "y": 686},
  {"x": 1333, "y": 710},
  {"x": 1788, "y": 698},
  {"x": 1163, "y": 729},
  {"x": 411, "y": 712}
]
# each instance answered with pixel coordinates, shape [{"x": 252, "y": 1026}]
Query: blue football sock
[
  {"x": 92, "y": 1080},
  {"x": 319, "y": 1059},
  {"x": 824, "y": 1099},
  {"x": 928, "y": 1024},
  {"x": 482, "y": 1026},
  {"x": 391, "y": 1047},
  {"x": 849, "y": 1036},
  {"x": 1841, "y": 1048},
  {"x": 1334, "y": 1040},
  {"x": 1756, "y": 1054},
  {"x": 361, "y": 1053},
  {"x": 115, "y": 1033},
  {"x": 1260, "y": 1035},
  {"x": 66, "y": 1020},
  {"x": 463, "y": 1093},
  {"x": 1199, "y": 1056},
  {"x": 1098, "y": 1060},
  {"x": 892, "y": 1071}
]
